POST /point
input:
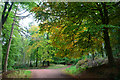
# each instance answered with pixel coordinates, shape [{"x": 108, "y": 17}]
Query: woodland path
[{"x": 48, "y": 74}]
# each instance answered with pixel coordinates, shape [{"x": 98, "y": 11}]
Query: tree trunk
[
  {"x": 43, "y": 63},
  {"x": 48, "y": 63},
  {"x": 37, "y": 60},
  {"x": 7, "y": 54},
  {"x": 108, "y": 47},
  {"x": 31, "y": 60},
  {"x": 93, "y": 56},
  {"x": 31, "y": 64},
  {"x": 102, "y": 52},
  {"x": 105, "y": 20},
  {"x": 37, "y": 57}
]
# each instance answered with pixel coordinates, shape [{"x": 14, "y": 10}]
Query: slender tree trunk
[
  {"x": 93, "y": 56},
  {"x": 23, "y": 53},
  {"x": 7, "y": 54},
  {"x": 31, "y": 64},
  {"x": 102, "y": 52},
  {"x": 43, "y": 63},
  {"x": 31, "y": 60},
  {"x": 37, "y": 60},
  {"x": 37, "y": 57},
  {"x": 48, "y": 63}
]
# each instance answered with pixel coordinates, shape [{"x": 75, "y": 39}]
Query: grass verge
[
  {"x": 73, "y": 70},
  {"x": 54, "y": 66},
  {"x": 20, "y": 74}
]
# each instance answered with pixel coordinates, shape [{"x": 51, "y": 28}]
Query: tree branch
[{"x": 5, "y": 18}]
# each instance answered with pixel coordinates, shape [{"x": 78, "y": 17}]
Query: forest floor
[
  {"x": 94, "y": 73},
  {"x": 104, "y": 71},
  {"x": 47, "y": 74}
]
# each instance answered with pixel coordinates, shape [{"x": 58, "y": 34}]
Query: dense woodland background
[{"x": 67, "y": 33}]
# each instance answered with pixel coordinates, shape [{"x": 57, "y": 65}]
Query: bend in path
[{"x": 51, "y": 73}]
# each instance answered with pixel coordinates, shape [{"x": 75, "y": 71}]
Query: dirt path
[{"x": 50, "y": 73}]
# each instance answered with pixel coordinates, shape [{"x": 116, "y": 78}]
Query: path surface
[{"x": 50, "y": 73}]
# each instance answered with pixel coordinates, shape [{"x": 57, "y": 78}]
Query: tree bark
[
  {"x": 102, "y": 52},
  {"x": 31, "y": 60},
  {"x": 31, "y": 64},
  {"x": 36, "y": 62},
  {"x": 7, "y": 54},
  {"x": 105, "y": 20},
  {"x": 108, "y": 47},
  {"x": 37, "y": 58},
  {"x": 48, "y": 63},
  {"x": 43, "y": 63},
  {"x": 93, "y": 56}
]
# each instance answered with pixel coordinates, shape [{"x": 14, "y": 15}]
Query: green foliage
[
  {"x": 58, "y": 60},
  {"x": 77, "y": 29},
  {"x": 72, "y": 70},
  {"x": 54, "y": 66},
  {"x": 73, "y": 61},
  {"x": 40, "y": 46},
  {"x": 18, "y": 44},
  {"x": 67, "y": 33}
]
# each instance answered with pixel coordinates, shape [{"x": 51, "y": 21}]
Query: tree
[
  {"x": 8, "y": 48},
  {"x": 14, "y": 39},
  {"x": 76, "y": 15},
  {"x": 40, "y": 46}
]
